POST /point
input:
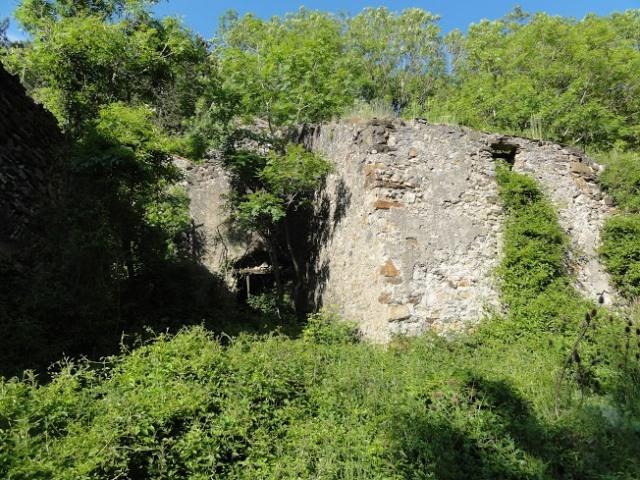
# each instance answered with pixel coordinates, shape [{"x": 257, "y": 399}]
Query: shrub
[
  {"x": 620, "y": 252},
  {"x": 534, "y": 281},
  {"x": 272, "y": 407},
  {"x": 328, "y": 328},
  {"x": 621, "y": 179}
]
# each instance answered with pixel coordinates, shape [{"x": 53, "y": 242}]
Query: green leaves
[
  {"x": 296, "y": 173},
  {"x": 324, "y": 406},
  {"x": 85, "y": 55},
  {"x": 621, "y": 180},
  {"x": 288, "y": 70},
  {"x": 259, "y": 211},
  {"x": 621, "y": 252},
  {"x": 534, "y": 282},
  {"x": 400, "y": 56},
  {"x": 576, "y": 78},
  {"x": 282, "y": 181},
  {"x": 620, "y": 236},
  {"x": 36, "y": 16}
]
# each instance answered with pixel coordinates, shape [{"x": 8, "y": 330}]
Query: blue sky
[{"x": 202, "y": 15}]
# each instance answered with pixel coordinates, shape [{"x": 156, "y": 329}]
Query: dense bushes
[
  {"x": 276, "y": 408},
  {"x": 541, "y": 391},
  {"x": 621, "y": 179},
  {"x": 621, "y": 252},
  {"x": 560, "y": 78}
]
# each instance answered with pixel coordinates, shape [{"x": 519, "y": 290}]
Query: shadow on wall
[
  {"x": 61, "y": 296},
  {"x": 52, "y": 307},
  {"x": 321, "y": 227}
]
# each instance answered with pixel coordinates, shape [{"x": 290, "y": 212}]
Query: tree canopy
[
  {"x": 287, "y": 70},
  {"x": 85, "y": 55},
  {"x": 574, "y": 80}
]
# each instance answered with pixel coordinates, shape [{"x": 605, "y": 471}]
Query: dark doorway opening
[{"x": 504, "y": 151}]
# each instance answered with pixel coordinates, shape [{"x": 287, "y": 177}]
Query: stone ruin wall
[
  {"x": 419, "y": 242},
  {"x": 29, "y": 139},
  {"x": 207, "y": 184},
  {"x": 410, "y": 222}
]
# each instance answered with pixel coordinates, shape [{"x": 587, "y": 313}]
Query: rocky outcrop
[
  {"x": 408, "y": 227},
  {"x": 29, "y": 139}
]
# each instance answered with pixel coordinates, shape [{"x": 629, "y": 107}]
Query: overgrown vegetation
[
  {"x": 535, "y": 400},
  {"x": 534, "y": 279},
  {"x": 621, "y": 234},
  {"x": 320, "y": 407},
  {"x": 553, "y": 77},
  {"x": 560, "y": 78},
  {"x": 269, "y": 190},
  {"x": 548, "y": 388}
]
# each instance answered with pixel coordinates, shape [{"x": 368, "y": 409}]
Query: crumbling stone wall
[
  {"x": 407, "y": 232},
  {"x": 416, "y": 222},
  {"x": 29, "y": 140},
  {"x": 419, "y": 240}
]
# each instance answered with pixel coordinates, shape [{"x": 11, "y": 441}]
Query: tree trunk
[
  {"x": 299, "y": 301},
  {"x": 275, "y": 266}
]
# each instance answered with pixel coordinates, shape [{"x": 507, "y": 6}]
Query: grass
[{"x": 363, "y": 111}]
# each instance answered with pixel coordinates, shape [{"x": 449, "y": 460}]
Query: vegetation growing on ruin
[
  {"x": 547, "y": 387},
  {"x": 620, "y": 249},
  {"x": 535, "y": 283}
]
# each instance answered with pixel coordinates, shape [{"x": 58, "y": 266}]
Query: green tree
[
  {"x": 400, "y": 55},
  {"x": 124, "y": 177},
  {"x": 287, "y": 70},
  {"x": 577, "y": 80},
  {"x": 277, "y": 186},
  {"x": 88, "y": 54}
]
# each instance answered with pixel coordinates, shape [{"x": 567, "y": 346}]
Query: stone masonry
[
  {"x": 418, "y": 242},
  {"x": 408, "y": 227},
  {"x": 410, "y": 222},
  {"x": 29, "y": 138},
  {"x": 207, "y": 184}
]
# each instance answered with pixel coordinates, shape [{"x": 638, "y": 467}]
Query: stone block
[
  {"x": 386, "y": 204},
  {"x": 397, "y": 313},
  {"x": 389, "y": 269},
  {"x": 580, "y": 168},
  {"x": 384, "y": 298},
  {"x": 371, "y": 168}
]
